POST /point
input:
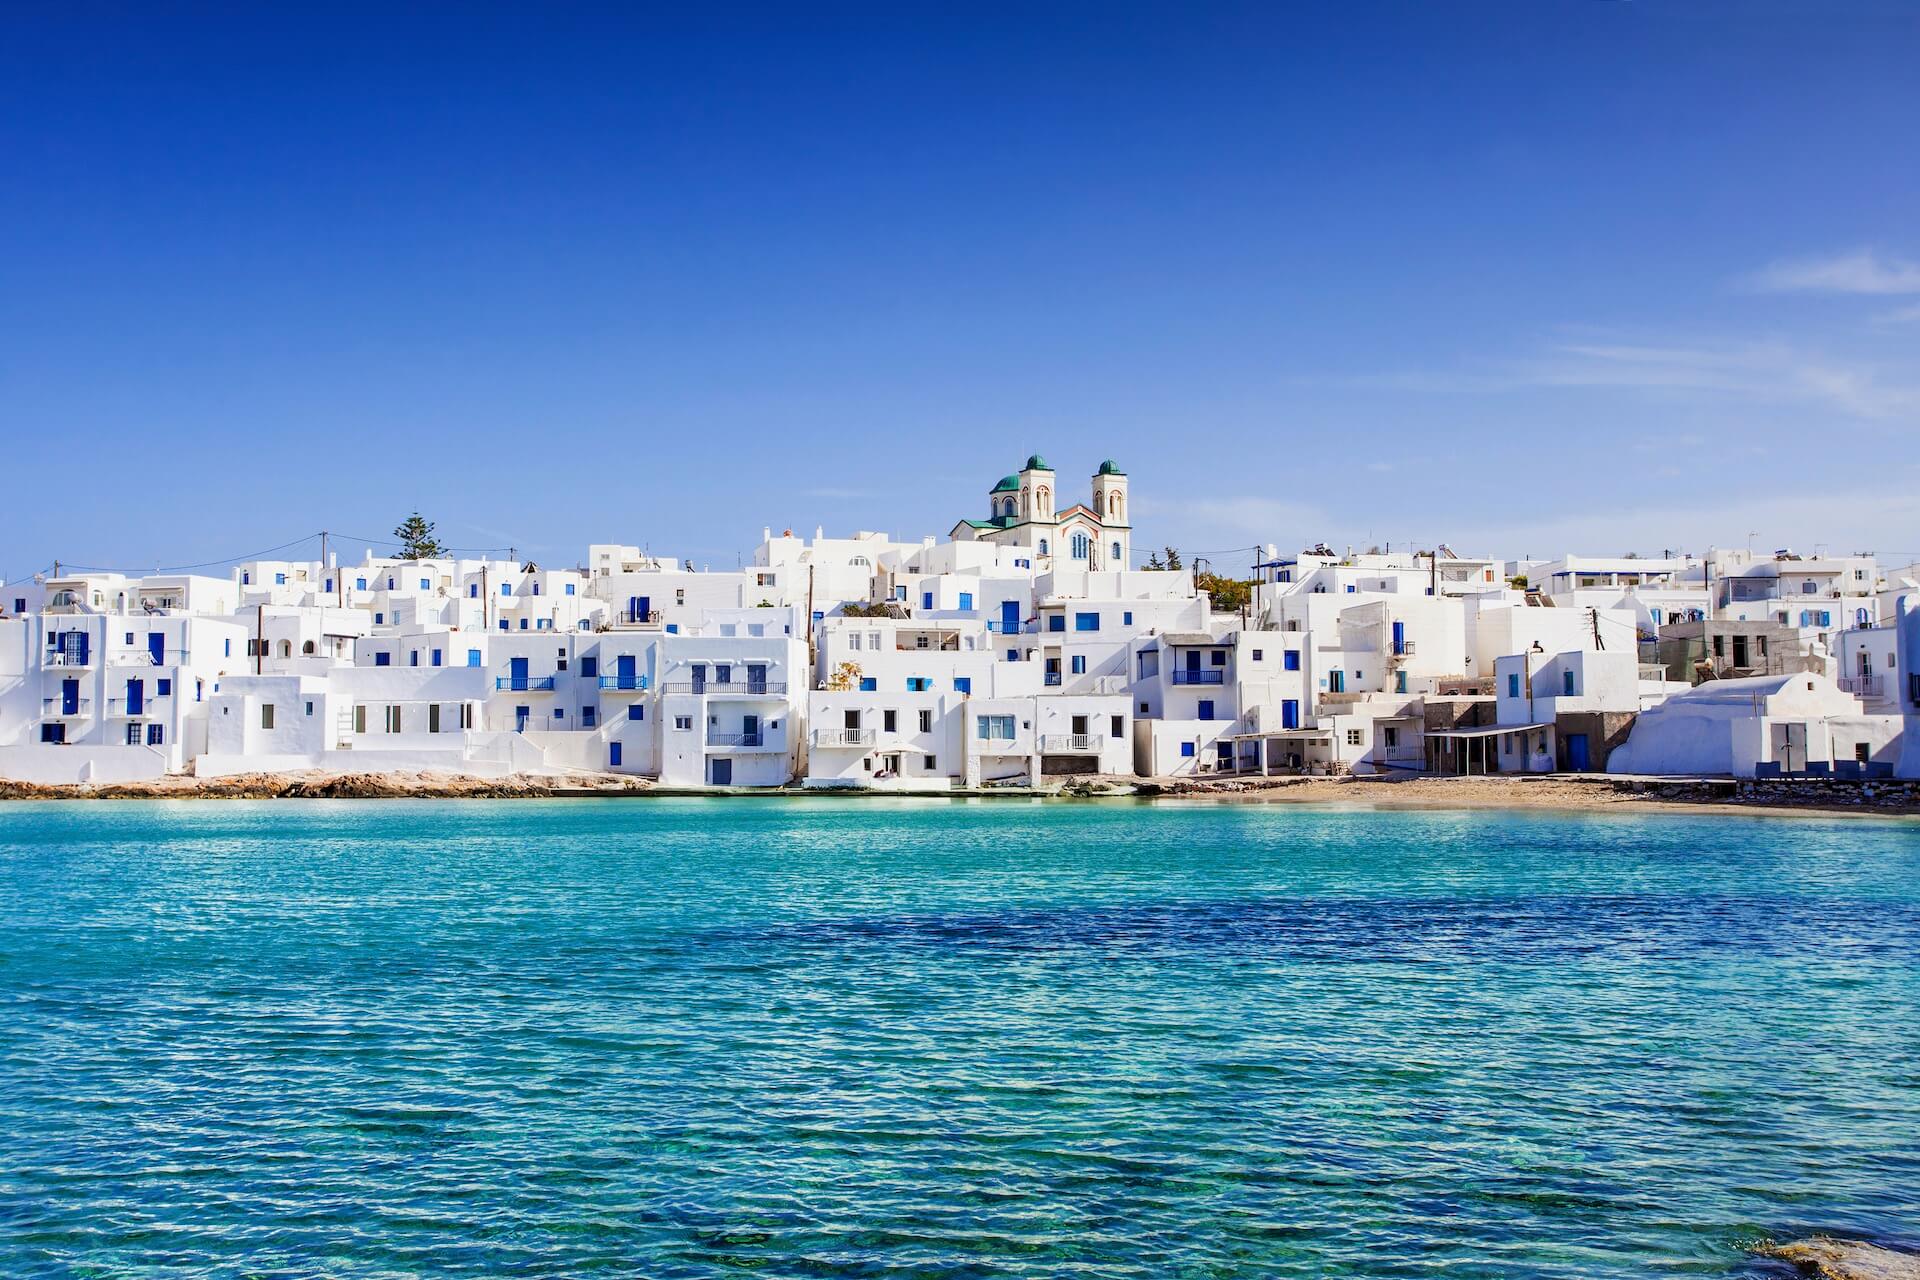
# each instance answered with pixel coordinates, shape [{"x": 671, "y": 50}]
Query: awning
[{"x": 1487, "y": 732}]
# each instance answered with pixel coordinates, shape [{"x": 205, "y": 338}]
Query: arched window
[
  {"x": 1045, "y": 497},
  {"x": 1081, "y": 544},
  {"x": 1043, "y": 546},
  {"x": 307, "y": 647},
  {"x": 286, "y": 648},
  {"x": 1116, "y": 551},
  {"x": 1860, "y": 617}
]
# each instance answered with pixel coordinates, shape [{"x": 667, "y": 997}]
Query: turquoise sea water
[{"x": 873, "y": 1038}]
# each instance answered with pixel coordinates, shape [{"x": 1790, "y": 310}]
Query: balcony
[
  {"x": 1199, "y": 675},
  {"x": 62, "y": 708},
  {"x": 634, "y": 618},
  {"x": 629, "y": 684},
  {"x": 1862, "y": 686},
  {"x": 147, "y": 658},
  {"x": 524, "y": 684},
  {"x": 1404, "y": 649},
  {"x": 1070, "y": 742},
  {"x": 728, "y": 688},
  {"x": 1052, "y": 679},
  {"x": 735, "y": 739},
  {"x": 67, "y": 658},
  {"x": 843, "y": 737},
  {"x": 117, "y": 708}
]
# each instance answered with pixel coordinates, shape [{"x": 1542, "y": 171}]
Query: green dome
[
  {"x": 1037, "y": 463},
  {"x": 1110, "y": 468},
  {"x": 1008, "y": 484}
]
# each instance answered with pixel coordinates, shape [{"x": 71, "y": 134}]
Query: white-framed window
[{"x": 683, "y": 722}]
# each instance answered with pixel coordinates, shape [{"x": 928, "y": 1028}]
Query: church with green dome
[{"x": 1023, "y": 511}]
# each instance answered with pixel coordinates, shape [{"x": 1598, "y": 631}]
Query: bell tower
[
  {"x": 1036, "y": 490},
  {"x": 1110, "y": 499}
]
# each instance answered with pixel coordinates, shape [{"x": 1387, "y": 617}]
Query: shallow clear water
[{"x": 865, "y": 1038}]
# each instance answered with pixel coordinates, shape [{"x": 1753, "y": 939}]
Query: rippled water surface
[{"x": 869, "y": 1038}]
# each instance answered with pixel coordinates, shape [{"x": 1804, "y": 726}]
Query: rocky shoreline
[
  {"x": 320, "y": 786},
  {"x": 1836, "y": 1259},
  {"x": 1591, "y": 792}
]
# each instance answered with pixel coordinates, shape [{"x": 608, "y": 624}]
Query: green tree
[
  {"x": 1229, "y": 595},
  {"x": 416, "y": 538},
  {"x": 1173, "y": 559},
  {"x": 1154, "y": 561}
]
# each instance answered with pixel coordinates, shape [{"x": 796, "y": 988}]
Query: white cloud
[
  {"x": 1862, "y": 271},
  {"x": 1772, "y": 372},
  {"x": 1902, "y": 315},
  {"x": 1842, "y": 521}
]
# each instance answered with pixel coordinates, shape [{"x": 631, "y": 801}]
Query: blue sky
[{"x": 1552, "y": 275}]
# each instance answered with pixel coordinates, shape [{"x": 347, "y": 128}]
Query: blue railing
[
  {"x": 623, "y": 682},
  {"x": 1205, "y": 675},
  {"x": 522, "y": 684}
]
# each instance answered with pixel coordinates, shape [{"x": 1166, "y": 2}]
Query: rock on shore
[
  {"x": 1845, "y": 1259},
  {"x": 314, "y": 785}
]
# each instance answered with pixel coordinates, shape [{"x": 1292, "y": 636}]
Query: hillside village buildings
[{"x": 1025, "y": 648}]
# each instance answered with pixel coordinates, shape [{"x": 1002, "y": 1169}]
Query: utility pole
[
  {"x": 811, "y": 659},
  {"x": 259, "y": 635},
  {"x": 1593, "y": 616}
]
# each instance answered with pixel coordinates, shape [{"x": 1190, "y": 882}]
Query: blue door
[
  {"x": 1399, "y": 637},
  {"x": 750, "y": 731},
  {"x": 756, "y": 677},
  {"x": 1336, "y": 682},
  {"x": 722, "y": 773},
  {"x": 517, "y": 673},
  {"x": 520, "y": 717},
  {"x": 1010, "y": 617},
  {"x": 623, "y": 669},
  {"x": 1578, "y": 758},
  {"x": 613, "y": 755},
  {"x": 1290, "y": 714},
  {"x": 69, "y": 697},
  {"x": 1206, "y": 708},
  {"x": 136, "y": 697},
  {"x": 157, "y": 647}
]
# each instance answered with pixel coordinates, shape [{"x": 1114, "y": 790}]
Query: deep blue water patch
[{"x": 858, "y": 1038}]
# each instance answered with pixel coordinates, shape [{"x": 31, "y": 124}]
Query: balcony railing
[
  {"x": 635, "y": 618},
  {"x": 1862, "y": 686},
  {"x": 735, "y": 739},
  {"x": 524, "y": 684},
  {"x": 843, "y": 737},
  {"x": 117, "y": 707},
  {"x": 727, "y": 688},
  {"x": 1052, "y": 678},
  {"x": 58, "y": 707},
  {"x": 67, "y": 658},
  {"x": 1070, "y": 742},
  {"x": 1403, "y": 649},
  {"x": 634, "y": 684},
  {"x": 1201, "y": 675},
  {"x": 147, "y": 658}
]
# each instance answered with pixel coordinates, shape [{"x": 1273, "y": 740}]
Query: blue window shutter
[
  {"x": 926, "y": 600},
  {"x": 963, "y": 684},
  {"x": 869, "y": 684},
  {"x": 1186, "y": 748}
]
